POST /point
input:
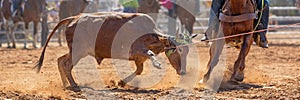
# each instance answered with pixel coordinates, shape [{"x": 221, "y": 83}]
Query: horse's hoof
[
  {"x": 25, "y": 47},
  {"x": 35, "y": 47},
  {"x": 74, "y": 88},
  {"x": 203, "y": 81},
  {"x": 237, "y": 78},
  {"x": 9, "y": 47}
]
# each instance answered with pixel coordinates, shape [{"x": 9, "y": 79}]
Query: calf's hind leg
[
  {"x": 139, "y": 69},
  {"x": 65, "y": 67},
  {"x": 139, "y": 66}
]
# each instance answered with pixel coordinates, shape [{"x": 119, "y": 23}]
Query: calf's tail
[{"x": 39, "y": 64}]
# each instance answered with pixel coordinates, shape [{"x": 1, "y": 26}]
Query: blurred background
[{"x": 282, "y": 12}]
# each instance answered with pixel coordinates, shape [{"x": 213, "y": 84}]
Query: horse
[
  {"x": 32, "y": 11},
  {"x": 10, "y": 19},
  {"x": 237, "y": 17}
]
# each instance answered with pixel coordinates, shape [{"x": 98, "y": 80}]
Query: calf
[{"x": 115, "y": 35}]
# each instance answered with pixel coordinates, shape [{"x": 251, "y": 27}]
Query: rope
[
  {"x": 260, "y": 15},
  {"x": 241, "y": 34}
]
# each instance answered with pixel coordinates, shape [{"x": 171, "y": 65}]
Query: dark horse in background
[
  {"x": 150, "y": 7},
  {"x": 185, "y": 10},
  {"x": 237, "y": 17},
  {"x": 69, "y": 8},
  {"x": 27, "y": 11}
]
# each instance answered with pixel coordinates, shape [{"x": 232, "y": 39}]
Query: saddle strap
[{"x": 238, "y": 18}]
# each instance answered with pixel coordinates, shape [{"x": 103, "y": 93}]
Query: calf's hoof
[
  {"x": 74, "y": 88},
  {"x": 121, "y": 83}
]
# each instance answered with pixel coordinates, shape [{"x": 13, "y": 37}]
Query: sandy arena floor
[{"x": 270, "y": 74}]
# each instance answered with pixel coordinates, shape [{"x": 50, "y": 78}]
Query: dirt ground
[{"x": 271, "y": 73}]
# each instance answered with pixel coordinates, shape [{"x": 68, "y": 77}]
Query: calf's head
[
  {"x": 177, "y": 57},
  {"x": 176, "y": 50}
]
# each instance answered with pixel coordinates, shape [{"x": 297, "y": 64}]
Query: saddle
[{"x": 240, "y": 18}]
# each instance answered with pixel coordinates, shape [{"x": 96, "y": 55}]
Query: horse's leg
[
  {"x": 35, "y": 29},
  {"x": 7, "y": 32},
  {"x": 189, "y": 23},
  {"x": 239, "y": 65},
  {"x": 1, "y": 23},
  {"x": 13, "y": 36},
  {"x": 59, "y": 36},
  {"x": 8, "y": 37},
  {"x": 26, "y": 33},
  {"x": 215, "y": 52}
]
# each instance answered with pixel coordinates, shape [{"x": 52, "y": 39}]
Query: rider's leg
[
  {"x": 213, "y": 22},
  {"x": 263, "y": 24}
]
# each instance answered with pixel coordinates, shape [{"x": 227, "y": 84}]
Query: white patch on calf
[{"x": 85, "y": 36}]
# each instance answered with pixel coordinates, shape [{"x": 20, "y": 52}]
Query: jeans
[
  {"x": 129, "y": 10},
  {"x": 265, "y": 14},
  {"x": 17, "y": 7}
]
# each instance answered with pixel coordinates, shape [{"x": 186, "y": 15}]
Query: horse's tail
[{"x": 62, "y": 22}]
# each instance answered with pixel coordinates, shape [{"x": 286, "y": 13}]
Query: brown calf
[{"x": 115, "y": 35}]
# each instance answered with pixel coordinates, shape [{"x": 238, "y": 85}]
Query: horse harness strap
[{"x": 237, "y": 18}]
